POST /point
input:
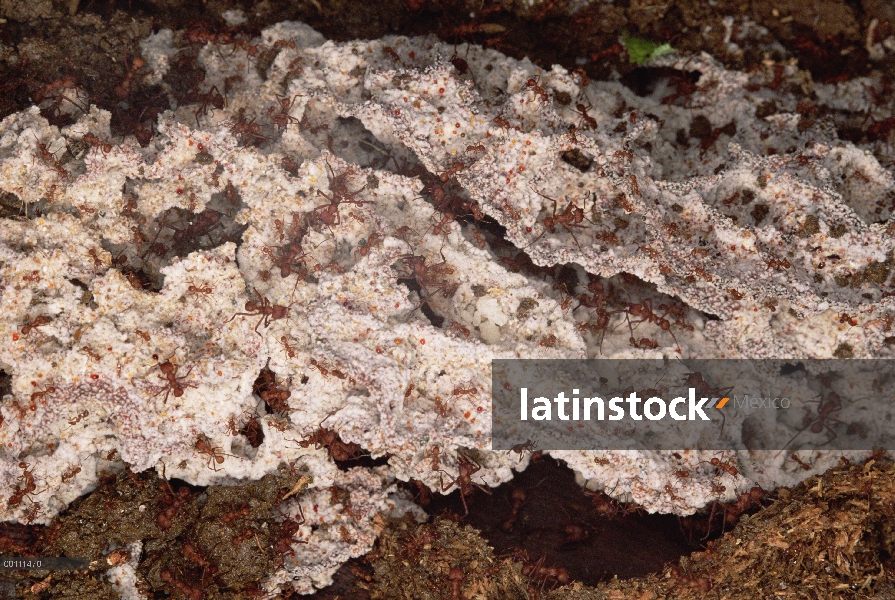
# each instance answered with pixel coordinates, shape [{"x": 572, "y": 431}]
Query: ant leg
[
  {"x": 536, "y": 239},
  {"x": 572, "y": 233},
  {"x": 830, "y": 429},
  {"x": 792, "y": 439}
]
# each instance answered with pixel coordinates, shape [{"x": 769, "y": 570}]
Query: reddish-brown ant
[
  {"x": 532, "y": 84},
  {"x": 466, "y": 468},
  {"x": 372, "y": 241},
  {"x": 77, "y": 419},
  {"x": 68, "y": 474},
  {"x": 235, "y": 514},
  {"x": 431, "y": 278},
  {"x": 25, "y": 489},
  {"x": 282, "y": 119},
  {"x": 29, "y": 517},
  {"x": 585, "y": 80},
  {"x": 286, "y": 535},
  {"x": 701, "y": 583},
  {"x": 601, "y": 325},
  {"x": 248, "y": 131},
  {"x": 433, "y": 455},
  {"x": 549, "y": 341},
  {"x": 846, "y": 318},
  {"x": 263, "y": 307},
  {"x": 95, "y": 142},
  {"x": 123, "y": 89},
  {"x": 39, "y": 395},
  {"x": 193, "y": 593},
  {"x": 582, "y": 109},
  {"x": 97, "y": 259},
  {"x": 455, "y": 168},
  {"x": 635, "y": 187},
  {"x": 214, "y": 454},
  {"x": 723, "y": 466},
  {"x": 470, "y": 391},
  {"x": 501, "y": 122},
  {"x": 446, "y": 219},
  {"x": 252, "y": 430},
  {"x": 328, "y": 214},
  {"x": 191, "y": 553},
  {"x": 323, "y": 370},
  {"x": 174, "y": 501},
  {"x": 798, "y": 460},
  {"x": 644, "y": 343},
  {"x": 37, "y": 322},
  {"x": 54, "y": 90},
  {"x": 270, "y": 392},
  {"x": 528, "y": 445},
  {"x": 169, "y": 374},
  {"x": 289, "y": 350},
  {"x": 827, "y": 407},
  {"x": 571, "y": 217},
  {"x": 518, "y": 497},
  {"x": 537, "y": 570},
  {"x": 338, "y": 450},
  {"x": 50, "y": 158},
  {"x": 199, "y": 293},
  {"x": 441, "y": 407},
  {"x": 458, "y": 328},
  {"x": 644, "y": 311},
  {"x": 732, "y": 512}
]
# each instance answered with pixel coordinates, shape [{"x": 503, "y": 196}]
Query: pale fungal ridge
[{"x": 328, "y": 168}]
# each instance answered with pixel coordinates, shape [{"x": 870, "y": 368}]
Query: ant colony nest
[{"x": 367, "y": 225}]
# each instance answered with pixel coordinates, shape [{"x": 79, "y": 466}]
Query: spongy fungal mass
[{"x": 319, "y": 254}]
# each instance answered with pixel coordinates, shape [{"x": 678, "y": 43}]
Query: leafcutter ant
[
  {"x": 214, "y": 454},
  {"x": 263, "y": 307},
  {"x": 169, "y": 374},
  {"x": 466, "y": 468},
  {"x": 571, "y": 217}
]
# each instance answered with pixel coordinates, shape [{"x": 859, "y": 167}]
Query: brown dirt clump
[
  {"x": 829, "y": 537},
  {"x": 217, "y": 542},
  {"x": 441, "y": 560}
]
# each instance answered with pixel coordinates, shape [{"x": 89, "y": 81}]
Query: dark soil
[{"x": 590, "y": 536}]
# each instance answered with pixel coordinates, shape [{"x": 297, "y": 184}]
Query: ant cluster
[
  {"x": 25, "y": 486},
  {"x": 338, "y": 450},
  {"x": 267, "y": 388}
]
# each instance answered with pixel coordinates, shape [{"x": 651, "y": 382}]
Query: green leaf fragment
[{"x": 641, "y": 51}]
